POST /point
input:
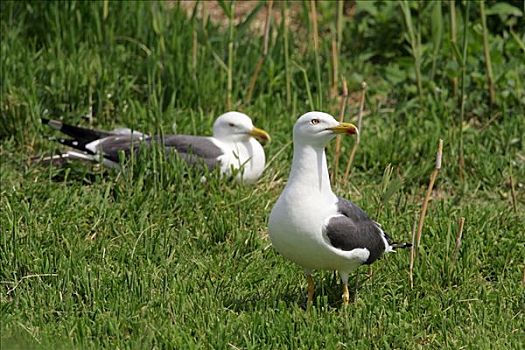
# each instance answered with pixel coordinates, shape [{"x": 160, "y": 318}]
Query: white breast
[
  {"x": 296, "y": 230},
  {"x": 247, "y": 157}
]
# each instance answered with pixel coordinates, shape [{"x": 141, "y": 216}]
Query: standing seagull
[
  {"x": 309, "y": 224},
  {"x": 232, "y": 148}
]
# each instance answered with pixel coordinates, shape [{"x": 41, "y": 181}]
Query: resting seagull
[
  {"x": 312, "y": 226},
  {"x": 233, "y": 148}
]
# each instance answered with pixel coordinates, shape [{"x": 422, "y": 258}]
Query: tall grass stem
[
  {"x": 229, "y": 103},
  {"x": 364, "y": 87},
  {"x": 486, "y": 53},
  {"x": 315, "y": 35},
  {"x": 461, "y": 160},
  {"x": 261, "y": 60},
  {"x": 288, "y": 74},
  {"x": 513, "y": 195},
  {"x": 453, "y": 41},
  {"x": 307, "y": 84},
  {"x": 339, "y": 24},
  {"x": 428, "y": 194},
  {"x": 437, "y": 35},
  {"x": 415, "y": 44},
  {"x": 335, "y": 68},
  {"x": 459, "y": 235},
  {"x": 413, "y": 252},
  {"x": 342, "y": 108}
]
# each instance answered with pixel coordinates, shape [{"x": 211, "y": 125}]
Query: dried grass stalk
[
  {"x": 364, "y": 87},
  {"x": 342, "y": 108},
  {"x": 335, "y": 68},
  {"x": 433, "y": 177},
  {"x": 261, "y": 60},
  {"x": 314, "y": 25}
]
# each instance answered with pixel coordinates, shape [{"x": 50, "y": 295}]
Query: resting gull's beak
[
  {"x": 345, "y": 128},
  {"x": 260, "y": 134}
]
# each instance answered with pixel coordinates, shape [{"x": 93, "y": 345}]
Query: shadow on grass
[{"x": 327, "y": 295}]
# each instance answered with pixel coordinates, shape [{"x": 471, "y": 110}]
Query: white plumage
[{"x": 312, "y": 226}]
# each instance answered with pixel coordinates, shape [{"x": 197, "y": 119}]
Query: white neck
[{"x": 309, "y": 169}]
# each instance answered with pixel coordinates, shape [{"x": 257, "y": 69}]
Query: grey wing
[
  {"x": 354, "y": 229},
  {"x": 193, "y": 149},
  {"x": 112, "y": 146}
]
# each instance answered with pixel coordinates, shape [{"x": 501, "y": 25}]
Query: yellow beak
[
  {"x": 260, "y": 134},
  {"x": 345, "y": 128}
]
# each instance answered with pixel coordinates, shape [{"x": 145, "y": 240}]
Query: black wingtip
[{"x": 401, "y": 245}]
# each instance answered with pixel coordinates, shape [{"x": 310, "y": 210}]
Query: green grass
[{"x": 151, "y": 258}]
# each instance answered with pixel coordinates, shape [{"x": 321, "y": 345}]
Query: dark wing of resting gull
[
  {"x": 192, "y": 149},
  {"x": 354, "y": 229}
]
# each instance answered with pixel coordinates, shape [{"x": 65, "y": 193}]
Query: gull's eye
[
  {"x": 231, "y": 125},
  {"x": 314, "y": 121}
]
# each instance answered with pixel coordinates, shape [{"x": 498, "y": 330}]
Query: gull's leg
[
  {"x": 311, "y": 287},
  {"x": 346, "y": 294}
]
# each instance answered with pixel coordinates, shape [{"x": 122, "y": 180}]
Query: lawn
[{"x": 151, "y": 257}]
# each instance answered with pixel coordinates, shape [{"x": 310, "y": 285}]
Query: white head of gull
[
  {"x": 235, "y": 134},
  {"x": 312, "y": 226}
]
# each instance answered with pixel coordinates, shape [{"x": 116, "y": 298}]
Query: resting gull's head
[{"x": 237, "y": 127}]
